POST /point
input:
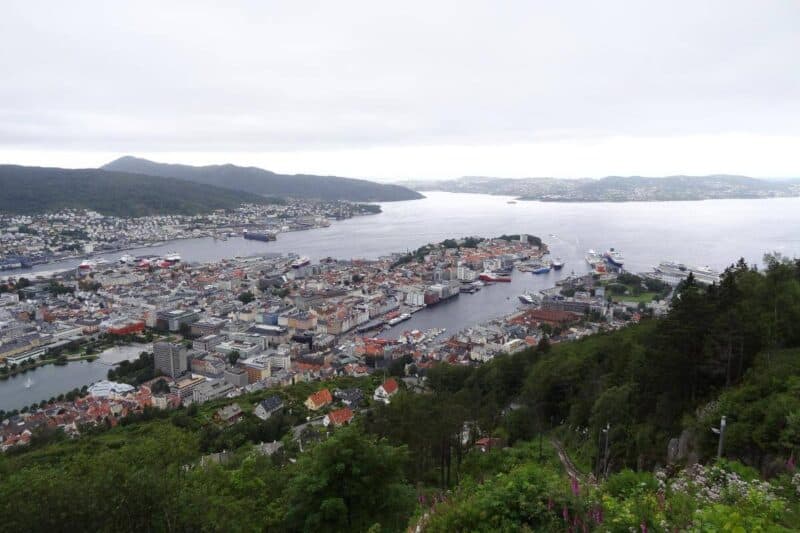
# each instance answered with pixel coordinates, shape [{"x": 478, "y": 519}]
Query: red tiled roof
[
  {"x": 390, "y": 386},
  {"x": 321, "y": 398},
  {"x": 340, "y": 416}
]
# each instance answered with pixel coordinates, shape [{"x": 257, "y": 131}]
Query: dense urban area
[{"x": 29, "y": 240}]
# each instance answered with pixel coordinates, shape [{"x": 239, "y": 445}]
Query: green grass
[{"x": 645, "y": 297}]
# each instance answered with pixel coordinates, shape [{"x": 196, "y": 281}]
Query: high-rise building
[{"x": 170, "y": 358}]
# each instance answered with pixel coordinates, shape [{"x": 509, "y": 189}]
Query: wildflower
[{"x": 576, "y": 489}]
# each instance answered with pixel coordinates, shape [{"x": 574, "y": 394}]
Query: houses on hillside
[
  {"x": 385, "y": 391},
  {"x": 318, "y": 400}
]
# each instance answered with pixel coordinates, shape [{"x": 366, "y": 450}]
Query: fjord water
[
  {"x": 714, "y": 233},
  {"x": 711, "y": 232}
]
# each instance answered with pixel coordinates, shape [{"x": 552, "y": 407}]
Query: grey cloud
[{"x": 150, "y": 76}]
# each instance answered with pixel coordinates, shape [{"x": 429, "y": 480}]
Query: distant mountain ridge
[
  {"x": 619, "y": 188},
  {"x": 259, "y": 181},
  {"x": 31, "y": 190}
]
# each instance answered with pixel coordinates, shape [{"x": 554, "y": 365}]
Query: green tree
[{"x": 349, "y": 483}]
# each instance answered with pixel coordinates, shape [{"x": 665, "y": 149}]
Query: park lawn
[{"x": 645, "y": 297}]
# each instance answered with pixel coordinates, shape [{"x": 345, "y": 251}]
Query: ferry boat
[
  {"x": 491, "y": 276},
  {"x": 264, "y": 236},
  {"x": 614, "y": 257}
]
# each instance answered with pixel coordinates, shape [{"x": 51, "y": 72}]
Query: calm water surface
[{"x": 51, "y": 380}]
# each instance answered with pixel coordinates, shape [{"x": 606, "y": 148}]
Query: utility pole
[{"x": 605, "y": 454}]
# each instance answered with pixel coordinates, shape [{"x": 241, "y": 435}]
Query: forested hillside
[
  {"x": 29, "y": 190},
  {"x": 730, "y": 350},
  {"x": 258, "y": 181}
]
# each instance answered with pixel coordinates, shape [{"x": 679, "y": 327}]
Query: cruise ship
[
  {"x": 301, "y": 262},
  {"x": 593, "y": 258},
  {"x": 614, "y": 257},
  {"x": 672, "y": 272}
]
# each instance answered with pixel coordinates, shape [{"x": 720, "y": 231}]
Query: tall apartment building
[{"x": 171, "y": 359}]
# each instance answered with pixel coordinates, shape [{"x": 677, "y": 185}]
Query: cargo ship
[
  {"x": 264, "y": 236},
  {"x": 491, "y": 276}
]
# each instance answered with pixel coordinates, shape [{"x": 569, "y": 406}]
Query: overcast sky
[{"x": 406, "y": 89}]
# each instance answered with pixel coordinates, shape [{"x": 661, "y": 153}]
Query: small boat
[
  {"x": 527, "y": 298},
  {"x": 511, "y": 202},
  {"x": 86, "y": 265},
  {"x": 173, "y": 257},
  {"x": 540, "y": 268},
  {"x": 126, "y": 259},
  {"x": 557, "y": 264},
  {"x": 29, "y": 383}
]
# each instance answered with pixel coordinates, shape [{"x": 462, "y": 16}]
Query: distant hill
[
  {"x": 620, "y": 189},
  {"x": 260, "y": 181},
  {"x": 28, "y": 190}
]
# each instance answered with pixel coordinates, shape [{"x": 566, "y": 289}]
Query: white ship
[
  {"x": 594, "y": 259},
  {"x": 673, "y": 273},
  {"x": 527, "y": 298}
]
